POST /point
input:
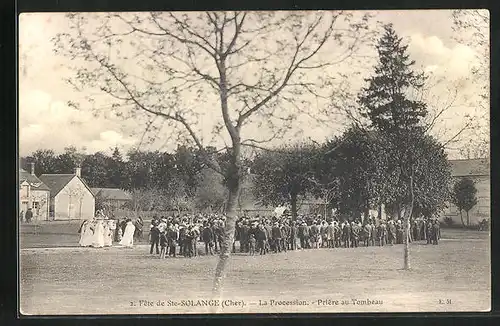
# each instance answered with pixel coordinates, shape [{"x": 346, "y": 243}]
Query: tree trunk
[
  {"x": 226, "y": 245},
  {"x": 468, "y": 220},
  {"x": 408, "y": 212},
  {"x": 366, "y": 211},
  {"x": 293, "y": 203},
  {"x": 462, "y": 218}
]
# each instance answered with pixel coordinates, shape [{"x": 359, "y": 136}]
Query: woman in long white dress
[
  {"x": 128, "y": 235},
  {"x": 98, "y": 241},
  {"x": 87, "y": 234},
  {"x": 108, "y": 234}
]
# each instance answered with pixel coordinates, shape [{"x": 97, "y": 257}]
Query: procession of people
[
  {"x": 176, "y": 236},
  {"x": 101, "y": 231},
  {"x": 182, "y": 236}
]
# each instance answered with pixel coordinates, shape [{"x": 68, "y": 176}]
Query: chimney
[
  {"x": 78, "y": 171},
  {"x": 32, "y": 164}
]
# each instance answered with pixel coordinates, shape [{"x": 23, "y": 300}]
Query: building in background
[
  {"x": 34, "y": 194},
  {"x": 479, "y": 171},
  {"x": 70, "y": 197},
  {"x": 111, "y": 198}
]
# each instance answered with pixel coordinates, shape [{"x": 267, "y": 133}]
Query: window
[{"x": 36, "y": 207}]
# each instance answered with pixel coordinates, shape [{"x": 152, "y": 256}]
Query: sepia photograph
[{"x": 236, "y": 162}]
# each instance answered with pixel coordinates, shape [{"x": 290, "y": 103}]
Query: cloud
[
  {"x": 431, "y": 52},
  {"x": 47, "y": 123}
]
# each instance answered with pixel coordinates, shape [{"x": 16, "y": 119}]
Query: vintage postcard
[{"x": 254, "y": 162}]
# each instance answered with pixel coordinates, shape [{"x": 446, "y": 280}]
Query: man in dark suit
[
  {"x": 207, "y": 236},
  {"x": 293, "y": 236},
  {"x": 435, "y": 232},
  {"x": 29, "y": 215},
  {"x": 346, "y": 234},
  {"x": 269, "y": 230},
  {"x": 330, "y": 235},
  {"x": 261, "y": 239},
  {"x": 276, "y": 236},
  {"x": 355, "y": 230},
  {"x": 154, "y": 235},
  {"x": 244, "y": 236},
  {"x": 303, "y": 235}
]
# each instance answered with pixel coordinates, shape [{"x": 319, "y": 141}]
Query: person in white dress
[
  {"x": 86, "y": 233},
  {"x": 128, "y": 235},
  {"x": 108, "y": 233},
  {"x": 98, "y": 241}
]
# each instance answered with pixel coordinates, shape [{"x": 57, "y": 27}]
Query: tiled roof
[
  {"x": 472, "y": 167},
  {"x": 56, "y": 182},
  {"x": 33, "y": 180},
  {"x": 111, "y": 193}
]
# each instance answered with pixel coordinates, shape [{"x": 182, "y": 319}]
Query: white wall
[
  {"x": 479, "y": 212},
  {"x": 74, "y": 201}
]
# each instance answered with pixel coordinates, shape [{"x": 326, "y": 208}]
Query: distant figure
[
  {"x": 139, "y": 224},
  {"x": 118, "y": 231},
  {"x": 28, "y": 216},
  {"x": 163, "y": 243},
  {"x": 86, "y": 234},
  {"x": 108, "y": 234},
  {"x": 128, "y": 235},
  {"x": 98, "y": 240},
  {"x": 21, "y": 216},
  {"x": 207, "y": 236},
  {"x": 435, "y": 232},
  {"x": 251, "y": 242}
]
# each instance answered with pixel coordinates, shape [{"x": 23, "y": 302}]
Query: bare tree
[
  {"x": 259, "y": 68},
  {"x": 473, "y": 27}
]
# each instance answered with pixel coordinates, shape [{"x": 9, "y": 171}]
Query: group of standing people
[
  {"x": 101, "y": 231},
  {"x": 26, "y": 216},
  {"x": 173, "y": 236}
]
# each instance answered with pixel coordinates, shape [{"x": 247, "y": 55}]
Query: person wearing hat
[
  {"x": 269, "y": 230},
  {"x": 303, "y": 234},
  {"x": 346, "y": 234},
  {"x": 399, "y": 232},
  {"x": 276, "y": 237},
  {"x": 355, "y": 230},
  {"x": 244, "y": 236},
  {"x": 154, "y": 236},
  {"x": 188, "y": 241},
  {"x": 207, "y": 236},
  {"x": 219, "y": 233},
  {"x": 435, "y": 232},
  {"x": 330, "y": 235},
  {"x": 367, "y": 233},
  {"x": 237, "y": 236},
  {"x": 337, "y": 234},
  {"x": 314, "y": 235},
  {"x": 373, "y": 235},
  {"x": 163, "y": 243},
  {"x": 261, "y": 236},
  {"x": 429, "y": 229},
  {"x": 382, "y": 233},
  {"x": 391, "y": 232},
  {"x": 323, "y": 235},
  {"x": 292, "y": 239},
  {"x": 285, "y": 235},
  {"x": 172, "y": 237}
]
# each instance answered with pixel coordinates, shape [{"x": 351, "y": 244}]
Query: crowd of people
[
  {"x": 102, "y": 231},
  {"x": 174, "y": 236}
]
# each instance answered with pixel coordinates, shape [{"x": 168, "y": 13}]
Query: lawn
[{"x": 454, "y": 276}]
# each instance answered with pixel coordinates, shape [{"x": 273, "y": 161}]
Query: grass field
[{"x": 453, "y": 276}]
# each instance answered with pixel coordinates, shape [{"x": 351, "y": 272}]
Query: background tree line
[{"x": 157, "y": 180}]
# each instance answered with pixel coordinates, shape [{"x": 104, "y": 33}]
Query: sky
[{"x": 47, "y": 122}]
